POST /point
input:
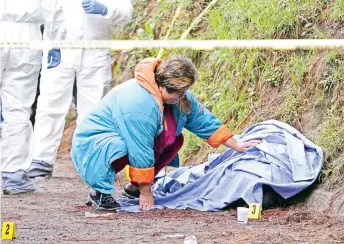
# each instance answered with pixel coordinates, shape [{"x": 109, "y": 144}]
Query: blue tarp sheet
[{"x": 285, "y": 160}]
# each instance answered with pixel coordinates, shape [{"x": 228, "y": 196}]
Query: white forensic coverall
[
  {"x": 91, "y": 68},
  {"x": 20, "y": 20}
]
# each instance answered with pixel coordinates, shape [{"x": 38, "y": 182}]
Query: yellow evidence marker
[
  {"x": 127, "y": 172},
  {"x": 8, "y": 231},
  {"x": 254, "y": 211}
]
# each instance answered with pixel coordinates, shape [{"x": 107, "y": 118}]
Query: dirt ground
[{"x": 55, "y": 213}]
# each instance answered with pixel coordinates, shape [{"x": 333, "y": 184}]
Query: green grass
[
  {"x": 335, "y": 72},
  {"x": 337, "y": 10},
  {"x": 331, "y": 139},
  {"x": 232, "y": 19},
  {"x": 298, "y": 66},
  {"x": 288, "y": 111},
  {"x": 255, "y": 19}
]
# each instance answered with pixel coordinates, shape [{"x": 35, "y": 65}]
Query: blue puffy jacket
[{"x": 126, "y": 122}]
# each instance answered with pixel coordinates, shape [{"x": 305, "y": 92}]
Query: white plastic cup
[
  {"x": 190, "y": 240},
  {"x": 242, "y": 214}
]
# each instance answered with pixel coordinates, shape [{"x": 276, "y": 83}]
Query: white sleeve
[
  {"x": 119, "y": 11},
  {"x": 54, "y": 19}
]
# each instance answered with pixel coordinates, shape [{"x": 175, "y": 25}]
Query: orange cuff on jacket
[
  {"x": 141, "y": 176},
  {"x": 221, "y": 135}
]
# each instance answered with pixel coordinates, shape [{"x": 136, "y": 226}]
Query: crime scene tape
[{"x": 280, "y": 44}]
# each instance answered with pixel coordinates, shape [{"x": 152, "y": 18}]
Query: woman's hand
[
  {"x": 240, "y": 146},
  {"x": 146, "y": 197}
]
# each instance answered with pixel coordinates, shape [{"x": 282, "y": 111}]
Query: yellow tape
[{"x": 283, "y": 44}]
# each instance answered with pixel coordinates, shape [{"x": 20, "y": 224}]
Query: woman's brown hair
[{"x": 176, "y": 74}]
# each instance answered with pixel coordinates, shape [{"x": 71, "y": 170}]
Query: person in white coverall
[
  {"x": 19, "y": 68},
  {"x": 85, "y": 20}
]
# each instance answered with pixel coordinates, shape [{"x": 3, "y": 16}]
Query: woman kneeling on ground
[{"x": 140, "y": 123}]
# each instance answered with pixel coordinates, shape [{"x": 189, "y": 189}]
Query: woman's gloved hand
[
  {"x": 146, "y": 197},
  {"x": 54, "y": 58},
  {"x": 94, "y": 7}
]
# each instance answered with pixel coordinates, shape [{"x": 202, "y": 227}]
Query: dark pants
[{"x": 165, "y": 158}]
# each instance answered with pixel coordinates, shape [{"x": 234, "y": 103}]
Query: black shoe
[
  {"x": 131, "y": 191},
  {"x": 104, "y": 201}
]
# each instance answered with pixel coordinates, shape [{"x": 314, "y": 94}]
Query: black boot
[
  {"x": 131, "y": 191},
  {"x": 104, "y": 201}
]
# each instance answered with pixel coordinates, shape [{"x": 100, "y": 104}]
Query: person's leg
[
  {"x": 1, "y": 119},
  {"x": 132, "y": 191},
  {"x": 53, "y": 104},
  {"x": 75, "y": 91},
  {"x": 3, "y": 62},
  {"x": 34, "y": 105},
  {"x": 90, "y": 86},
  {"x": 119, "y": 164},
  {"x": 169, "y": 154},
  {"x": 99, "y": 176},
  {"x": 18, "y": 90}
]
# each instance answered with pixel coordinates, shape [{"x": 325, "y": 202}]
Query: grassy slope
[{"x": 242, "y": 87}]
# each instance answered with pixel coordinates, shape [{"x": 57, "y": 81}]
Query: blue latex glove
[
  {"x": 54, "y": 58},
  {"x": 94, "y": 7}
]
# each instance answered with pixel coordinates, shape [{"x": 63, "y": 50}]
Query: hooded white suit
[
  {"x": 91, "y": 68},
  {"x": 19, "y": 68}
]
